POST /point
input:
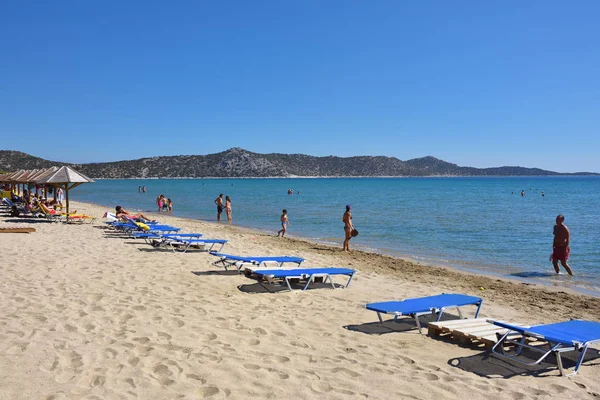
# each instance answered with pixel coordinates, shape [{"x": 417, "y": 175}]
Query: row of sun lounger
[
  {"x": 569, "y": 336},
  {"x": 42, "y": 211}
]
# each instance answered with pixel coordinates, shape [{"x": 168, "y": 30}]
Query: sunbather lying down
[
  {"x": 124, "y": 214},
  {"x": 47, "y": 210}
]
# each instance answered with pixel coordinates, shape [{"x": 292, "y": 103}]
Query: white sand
[{"x": 87, "y": 314}]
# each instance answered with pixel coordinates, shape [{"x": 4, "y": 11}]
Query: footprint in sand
[
  {"x": 346, "y": 371},
  {"x": 196, "y": 378},
  {"x": 252, "y": 367},
  {"x": 430, "y": 377},
  {"x": 208, "y": 391},
  {"x": 280, "y": 374},
  {"x": 57, "y": 396},
  {"x": 177, "y": 323},
  {"x": 321, "y": 387},
  {"x": 259, "y": 331},
  {"x": 111, "y": 353},
  {"x": 141, "y": 340},
  {"x": 254, "y": 342}
]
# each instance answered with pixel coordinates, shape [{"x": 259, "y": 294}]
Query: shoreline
[
  {"x": 431, "y": 272},
  {"x": 393, "y": 255}
]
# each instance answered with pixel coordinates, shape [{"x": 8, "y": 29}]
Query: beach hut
[{"x": 66, "y": 178}]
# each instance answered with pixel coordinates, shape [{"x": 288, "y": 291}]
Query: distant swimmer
[
  {"x": 284, "y": 223},
  {"x": 522, "y": 193},
  {"x": 543, "y": 193},
  {"x": 560, "y": 247}
]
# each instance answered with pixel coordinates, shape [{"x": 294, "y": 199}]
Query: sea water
[{"x": 479, "y": 224}]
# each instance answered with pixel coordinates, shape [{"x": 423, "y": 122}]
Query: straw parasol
[{"x": 64, "y": 177}]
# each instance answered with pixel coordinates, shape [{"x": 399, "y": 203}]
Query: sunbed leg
[
  {"x": 350, "y": 280},
  {"x": 330, "y": 281},
  {"x": 418, "y": 323},
  {"x": 380, "y": 319},
  {"x": 478, "y": 309},
  {"x": 559, "y": 363},
  {"x": 520, "y": 347},
  {"x": 287, "y": 281},
  {"x": 307, "y": 283},
  {"x": 581, "y": 357},
  {"x": 460, "y": 315}
]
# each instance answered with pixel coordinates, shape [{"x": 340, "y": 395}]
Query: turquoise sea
[{"x": 476, "y": 224}]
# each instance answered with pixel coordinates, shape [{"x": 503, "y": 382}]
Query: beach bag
[{"x": 354, "y": 233}]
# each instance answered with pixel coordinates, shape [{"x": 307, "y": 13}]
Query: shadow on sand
[{"x": 487, "y": 365}]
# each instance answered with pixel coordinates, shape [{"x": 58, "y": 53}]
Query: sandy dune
[{"x": 87, "y": 314}]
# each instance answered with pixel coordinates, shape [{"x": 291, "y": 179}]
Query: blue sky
[{"x": 471, "y": 82}]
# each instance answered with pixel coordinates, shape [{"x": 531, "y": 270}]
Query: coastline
[
  {"x": 353, "y": 177},
  {"x": 393, "y": 255},
  {"x": 391, "y": 265},
  {"x": 97, "y": 315}
]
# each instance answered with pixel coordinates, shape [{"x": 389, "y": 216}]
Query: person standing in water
[
  {"x": 284, "y": 224},
  {"x": 219, "y": 203},
  {"x": 560, "y": 247},
  {"x": 228, "y": 208},
  {"x": 348, "y": 227}
]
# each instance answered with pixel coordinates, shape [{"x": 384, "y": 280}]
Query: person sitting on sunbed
[{"x": 124, "y": 215}]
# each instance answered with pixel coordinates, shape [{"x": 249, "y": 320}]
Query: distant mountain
[{"x": 236, "y": 163}]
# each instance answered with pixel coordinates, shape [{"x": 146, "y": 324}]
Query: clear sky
[{"x": 476, "y": 83}]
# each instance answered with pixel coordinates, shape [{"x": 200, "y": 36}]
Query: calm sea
[{"x": 476, "y": 224}]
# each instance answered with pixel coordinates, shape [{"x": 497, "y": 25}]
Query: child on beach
[
  {"x": 284, "y": 223},
  {"x": 169, "y": 204}
]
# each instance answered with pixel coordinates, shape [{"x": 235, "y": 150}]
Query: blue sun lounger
[
  {"x": 425, "y": 305},
  {"x": 150, "y": 237},
  {"x": 228, "y": 260},
  {"x": 308, "y": 274},
  {"x": 573, "y": 335},
  {"x": 183, "y": 244}
]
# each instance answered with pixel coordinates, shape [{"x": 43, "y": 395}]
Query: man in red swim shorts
[{"x": 561, "y": 249}]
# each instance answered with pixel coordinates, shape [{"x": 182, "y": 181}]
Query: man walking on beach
[
  {"x": 561, "y": 249},
  {"x": 219, "y": 203}
]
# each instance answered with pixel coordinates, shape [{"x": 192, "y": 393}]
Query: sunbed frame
[
  {"x": 417, "y": 307},
  {"x": 559, "y": 337}
]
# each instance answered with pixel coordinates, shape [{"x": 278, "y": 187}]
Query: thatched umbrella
[{"x": 64, "y": 177}]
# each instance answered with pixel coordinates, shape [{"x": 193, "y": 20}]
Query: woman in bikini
[
  {"x": 228, "y": 208},
  {"x": 123, "y": 214},
  {"x": 348, "y": 227}
]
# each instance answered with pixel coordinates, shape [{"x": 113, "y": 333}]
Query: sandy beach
[{"x": 87, "y": 314}]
